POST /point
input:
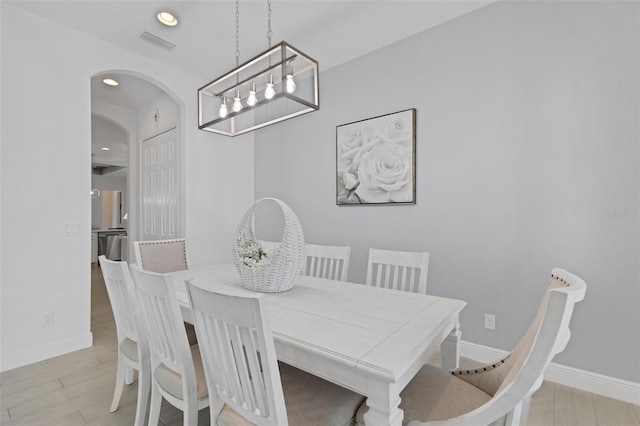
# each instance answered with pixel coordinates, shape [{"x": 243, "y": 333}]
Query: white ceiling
[
  {"x": 106, "y": 134},
  {"x": 132, "y": 92},
  {"x": 330, "y": 31}
]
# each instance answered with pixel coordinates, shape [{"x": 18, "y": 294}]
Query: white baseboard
[
  {"x": 600, "y": 384},
  {"x": 49, "y": 350}
]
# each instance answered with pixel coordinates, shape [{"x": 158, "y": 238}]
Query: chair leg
[
  {"x": 129, "y": 376},
  {"x": 514, "y": 417},
  {"x": 120, "y": 379},
  {"x": 525, "y": 409},
  {"x": 215, "y": 408},
  {"x": 190, "y": 411},
  {"x": 156, "y": 403},
  {"x": 144, "y": 386}
]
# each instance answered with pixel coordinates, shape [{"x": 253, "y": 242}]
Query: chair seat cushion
[
  {"x": 435, "y": 394},
  {"x": 129, "y": 348},
  {"x": 171, "y": 381},
  {"x": 310, "y": 401}
]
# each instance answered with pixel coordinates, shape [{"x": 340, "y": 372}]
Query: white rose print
[{"x": 375, "y": 160}]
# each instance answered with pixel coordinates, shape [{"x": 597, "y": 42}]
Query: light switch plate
[{"x": 72, "y": 229}]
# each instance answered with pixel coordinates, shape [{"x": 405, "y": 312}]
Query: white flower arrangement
[{"x": 251, "y": 253}]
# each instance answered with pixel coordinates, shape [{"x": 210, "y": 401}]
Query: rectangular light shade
[{"x": 272, "y": 65}]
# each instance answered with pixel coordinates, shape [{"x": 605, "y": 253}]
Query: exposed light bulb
[
  {"x": 269, "y": 92},
  {"x": 290, "y": 86},
  {"x": 223, "y": 109},
  {"x": 252, "y": 99},
  {"x": 237, "y": 104}
]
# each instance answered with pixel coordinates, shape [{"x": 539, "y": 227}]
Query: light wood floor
[{"x": 76, "y": 389}]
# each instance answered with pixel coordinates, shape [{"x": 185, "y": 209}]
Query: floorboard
[
  {"x": 573, "y": 407},
  {"x": 613, "y": 412},
  {"x": 542, "y": 406}
]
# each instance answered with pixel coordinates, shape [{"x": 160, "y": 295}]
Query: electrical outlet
[
  {"x": 490, "y": 321},
  {"x": 47, "y": 319}
]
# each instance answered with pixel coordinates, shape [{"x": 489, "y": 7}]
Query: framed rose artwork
[{"x": 376, "y": 160}]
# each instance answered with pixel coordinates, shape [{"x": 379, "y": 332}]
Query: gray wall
[{"x": 527, "y": 158}]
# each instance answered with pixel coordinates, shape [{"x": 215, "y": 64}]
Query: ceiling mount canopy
[{"x": 278, "y": 84}]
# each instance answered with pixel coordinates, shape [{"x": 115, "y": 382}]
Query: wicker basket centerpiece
[{"x": 269, "y": 272}]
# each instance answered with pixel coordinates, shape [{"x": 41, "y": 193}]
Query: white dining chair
[
  {"x": 330, "y": 262},
  {"x": 177, "y": 374},
  {"x": 398, "y": 270},
  {"x": 246, "y": 383},
  {"x": 133, "y": 350},
  {"x": 498, "y": 393},
  {"x": 162, "y": 256}
]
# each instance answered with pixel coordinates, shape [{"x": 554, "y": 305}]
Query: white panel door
[{"x": 160, "y": 186}]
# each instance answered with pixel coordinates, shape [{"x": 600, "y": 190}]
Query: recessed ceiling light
[
  {"x": 167, "y": 18},
  {"x": 110, "y": 82},
  {"x": 105, "y": 148}
]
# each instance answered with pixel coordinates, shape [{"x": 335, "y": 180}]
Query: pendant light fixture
[{"x": 278, "y": 84}]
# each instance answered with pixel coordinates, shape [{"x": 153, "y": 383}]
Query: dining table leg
[
  {"x": 383, "y": 402},
  {"x": 450, "y": 348}
]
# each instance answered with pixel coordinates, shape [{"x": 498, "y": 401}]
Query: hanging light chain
[
  {"x": 269, "y": 32},
  {"x": 237, "y": 32}
]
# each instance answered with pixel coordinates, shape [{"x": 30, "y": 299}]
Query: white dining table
[{"x": 367, "y": 339}]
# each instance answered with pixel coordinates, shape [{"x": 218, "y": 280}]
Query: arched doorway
[{"x": 147, "y": 110}]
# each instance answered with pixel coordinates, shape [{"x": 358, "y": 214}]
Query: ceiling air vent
[{"x": 157, "y": 41}]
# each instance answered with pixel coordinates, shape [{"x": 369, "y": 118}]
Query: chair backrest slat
[
  {"x": 387, "y": 276},
  {"x": 312, "y": 266},
  {"x": 390, "y": 275},
  {"x": 241, "y": 354},
  {"x": 404, "y": 285},
  {"x": 257, "y": 397},
  {"x": 333, "y": 265},
  {"x": 398, "y": 270},
  {"x": 225, "y": 356}
]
